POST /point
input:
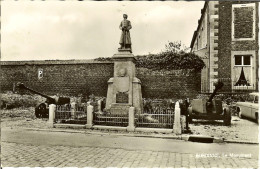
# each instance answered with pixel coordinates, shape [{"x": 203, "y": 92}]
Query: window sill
[
  {"x": 243, "y": 88},
  {"x": 243, "y": 39},
  {"x": 242, "y": 65}
]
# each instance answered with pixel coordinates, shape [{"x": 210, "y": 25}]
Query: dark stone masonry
[
  {"x": 225, "y": 44},
  {"x": 243, "y": 23},
  {"x": 75, "y": 77}
]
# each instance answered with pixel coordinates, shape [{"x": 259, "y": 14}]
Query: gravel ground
[
  {"x": 21, "y": 117},
  {"x": 240, "y": 129}
]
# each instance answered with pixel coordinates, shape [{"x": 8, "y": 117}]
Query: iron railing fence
[
  {"x": 158, "y": 116},
  {"x": 108, "y": 119},
  {"x": 69, "y": 115},
  {"x": 230, "y": 86}
]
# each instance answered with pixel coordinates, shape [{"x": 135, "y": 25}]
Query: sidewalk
[
  {"x": 137, "y": 134},
  {"x": 241, "y": 130}
]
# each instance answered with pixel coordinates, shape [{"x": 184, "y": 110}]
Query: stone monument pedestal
[{"x": 124, "y": 89}]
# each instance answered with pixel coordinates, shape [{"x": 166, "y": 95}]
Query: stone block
[
  {"x": 90, "y": 110},
  {"x": 131, "y": 119},
  {"x": 119, "y": 108},
  {"x": 177, "y": 119},
  {"x": 122, "y": 89}
]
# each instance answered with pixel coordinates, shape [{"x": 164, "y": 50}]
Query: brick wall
[
  {"x": 225, "y": 43},
  {"x": 76, "y": 77},
  {"x": 243, "y": 22},
  {"x": 169, "y": 84},
  {"x": 66, "y": 79}
]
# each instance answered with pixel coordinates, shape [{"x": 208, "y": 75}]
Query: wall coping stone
[{"x": 52, "y": 62}]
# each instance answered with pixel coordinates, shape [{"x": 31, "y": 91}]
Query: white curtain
[{"x": 247, "y": 72}]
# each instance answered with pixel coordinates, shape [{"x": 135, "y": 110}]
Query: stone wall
[
  {"x": 66, "y": 78},
  {"x": 169, "y": 84},
  {"x": 90, "y": 77},
  {"x": 225, "y": 43}
]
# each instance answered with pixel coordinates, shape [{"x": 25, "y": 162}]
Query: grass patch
[{"x": 12, "y": 100}]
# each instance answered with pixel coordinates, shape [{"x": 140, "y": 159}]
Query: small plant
[
  {"x": 92, "y": 98},
  {"x": 103, "y": 59},
  {"x": 150, "y": 104},
  {"x": 11, "y": 100},
  {"x": 93, "y": 102},
  {"x": 175, "y": 56},
  {"x": 147, "y": 104}
]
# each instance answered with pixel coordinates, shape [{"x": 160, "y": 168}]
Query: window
[
  {"x": 246, "y": 60},
  {"x": 243, "y": 72},
  {"x": 243, "y": 21},
  {"x": 238, "y": 60},
  {"x": 242, "y": 60},
  {"x": 242, "y": 63}
]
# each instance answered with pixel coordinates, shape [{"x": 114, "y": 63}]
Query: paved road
[{"x": 26, "y": 148}]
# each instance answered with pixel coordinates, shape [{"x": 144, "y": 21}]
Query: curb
[
  {"x": 55, "y": 130},
  {"x": 240, "y": 142},
  {"x": 192, "y": 138},
  {"x": 202, "y": 139},
  {"x": 100, "y": 133}
]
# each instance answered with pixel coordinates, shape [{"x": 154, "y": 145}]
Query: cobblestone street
[
  {"x": 21, "y": 155},
  {"x": 29, "y": 148}
]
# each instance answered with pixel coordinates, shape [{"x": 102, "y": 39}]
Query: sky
[{"x": 60, "y": 30}]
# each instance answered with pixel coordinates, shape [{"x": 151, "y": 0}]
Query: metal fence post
[
  {"x": 89, "y": 117},
  {"x": 177, "y": 119},
  {"x": 131, "y": 119},
  {"x": 52, "y": 109},
  {"x": 73, "y": 109}
]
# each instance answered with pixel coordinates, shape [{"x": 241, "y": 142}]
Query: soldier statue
[{"x": 125, "y": 39}]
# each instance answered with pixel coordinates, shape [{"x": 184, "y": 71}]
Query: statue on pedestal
[
  {"x": 125, "y": 39},
  {"x": 124, "y": 88}
]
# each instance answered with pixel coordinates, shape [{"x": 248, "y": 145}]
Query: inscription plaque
[
  {"x": 121, "y": 97},
  {"x": 119, "y": 108},
  {"x": 122, "y": 84}
]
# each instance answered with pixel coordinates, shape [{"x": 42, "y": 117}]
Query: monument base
[
  {"x": 119, "y": 108},
  {"x": 124, "y": 89},
  {"x": 125, "y": 50},
  {"x": 134, "y": 97}
]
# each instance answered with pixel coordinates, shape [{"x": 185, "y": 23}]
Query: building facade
[{"x": 227, "y": 40}]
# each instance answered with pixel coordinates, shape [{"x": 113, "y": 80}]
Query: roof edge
[{"x": 199, "y": 23}]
